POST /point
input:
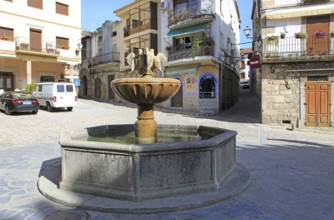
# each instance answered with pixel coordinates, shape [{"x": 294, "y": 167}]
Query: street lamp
[{"x": 247, "y": 32}]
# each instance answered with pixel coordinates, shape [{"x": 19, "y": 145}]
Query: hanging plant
[
  {"x": 300, "y": 35},
  {"x": 272, "y": 39}
]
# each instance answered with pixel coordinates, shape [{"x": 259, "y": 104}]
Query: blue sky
[{"x": 95, "y": 13}]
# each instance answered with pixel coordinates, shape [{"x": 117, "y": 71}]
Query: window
[
  {"x": 242, "y": 64},
  {"x": 47, "y": 79},
  {"x": 62, "y": 43},
  {"x": 36, "y": 3},
  {"x": 60, "y": 88},
  {"x": 69, "y": 88},
  {"x": 6, "y": 34},
  {"x": 61, "y": 8},
  {"x": 207, "y": 87}
]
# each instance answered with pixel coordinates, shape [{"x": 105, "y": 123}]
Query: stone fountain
[{"x": 145, "y": 167}]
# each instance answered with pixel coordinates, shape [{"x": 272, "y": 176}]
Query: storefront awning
[
  {"x": 299, "y": 13},
  {"x": 187, "y": 30}
]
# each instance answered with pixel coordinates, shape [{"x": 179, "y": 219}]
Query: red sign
[{"x": 254, "y": 62}]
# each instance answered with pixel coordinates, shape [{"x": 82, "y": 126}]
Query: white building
[
  {"x": 39, "y": 41},
  {"x": 201, "y": 38}
]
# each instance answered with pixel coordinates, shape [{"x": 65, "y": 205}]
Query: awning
[
  {"x": 300, "y": 13},
  {"x": 187, "y": 30}
]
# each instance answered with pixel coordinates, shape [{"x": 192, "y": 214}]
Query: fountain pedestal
[{"x": 146, "y": 126}]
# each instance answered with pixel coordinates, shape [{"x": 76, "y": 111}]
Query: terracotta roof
[{"x": 246, "y": 50}]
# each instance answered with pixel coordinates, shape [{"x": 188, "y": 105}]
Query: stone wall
[{"x": 283, "y": 91}]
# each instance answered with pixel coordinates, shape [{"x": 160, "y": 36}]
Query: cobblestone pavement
[{"x": 292, "y": 175}]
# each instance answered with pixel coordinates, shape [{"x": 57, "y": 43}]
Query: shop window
[{"x": 207, "y": 87}]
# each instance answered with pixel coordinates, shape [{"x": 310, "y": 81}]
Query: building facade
[
  {"x": 245, "y": 73},
  {"x": 100, "y": 61},
  {"x": 297, "y": 54},
  {"x": 201, "y": 39},
  {"x": 40, "y": 43}
]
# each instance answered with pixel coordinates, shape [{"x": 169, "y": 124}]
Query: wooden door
[
  {"x": 317, "y": 45},
  {"x": 317, "y": 103},
  {"x": 35, "y": 40}
]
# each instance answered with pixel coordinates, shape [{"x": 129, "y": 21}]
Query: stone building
[
  {"x": 297, "y": 71},
  {"x": 100, "y": 62},
  {"x": 39, "y": 42}
]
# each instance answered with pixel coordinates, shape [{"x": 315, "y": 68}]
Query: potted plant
[
  {"x": 319, "y": 34},
  {"x": 300, "y": 35},
  {"x": 272, "y": 39},
  {"x": 282, "y": 35},
  {"x": 332, "y": 33}
]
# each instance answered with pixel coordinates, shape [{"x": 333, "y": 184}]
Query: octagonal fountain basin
[{"x": 188, "y": 160}]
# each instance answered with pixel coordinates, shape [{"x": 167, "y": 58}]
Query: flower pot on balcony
[{"x": 282, "y": 35}]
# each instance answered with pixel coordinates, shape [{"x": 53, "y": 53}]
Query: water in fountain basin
[{"x": 126, "y": 135}]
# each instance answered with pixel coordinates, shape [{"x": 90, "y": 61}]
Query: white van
[{"x": 56, "y": 95}]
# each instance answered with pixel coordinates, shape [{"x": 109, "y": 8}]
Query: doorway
[
  {"x": 7, "y": 81},
  {"x": 177, "y": 100},
  {"x": 317, "y": 103}
]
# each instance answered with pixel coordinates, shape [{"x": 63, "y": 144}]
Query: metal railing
[
  {"x": 298, "y": 47},
  {"x": 105, "y": 58},
  {"x": 181, "y": 51},
  {"x": 140, "y": 26},
  {"x": 185, "y": 11},
  {"x": 22, "y": 43}
]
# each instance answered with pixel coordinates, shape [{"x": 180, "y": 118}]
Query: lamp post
[{"x": 247, "y": 32}]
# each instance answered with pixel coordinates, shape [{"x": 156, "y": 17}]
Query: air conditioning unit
[{"x": 164, "y": 4}]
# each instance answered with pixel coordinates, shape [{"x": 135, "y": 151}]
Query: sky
[{"x": 95, "y": 13}]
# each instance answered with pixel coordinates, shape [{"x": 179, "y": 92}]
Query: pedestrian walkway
[{"x": 292, "y": 175}]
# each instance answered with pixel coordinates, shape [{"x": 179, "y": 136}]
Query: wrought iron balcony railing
[
  {"x": 186, "y": 50},
  {"x": 298, "y": 47},
  {"x": 139, "y": 26},
  {"x": 184, "y": 11},
  {"x": 105, "y": 58},
  {"x": 35, "y": 45}
]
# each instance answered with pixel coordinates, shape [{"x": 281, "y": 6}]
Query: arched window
[{"x": 207, "y": 88}]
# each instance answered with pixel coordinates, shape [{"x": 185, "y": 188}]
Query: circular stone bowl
[{"x": 146, "y": 90}]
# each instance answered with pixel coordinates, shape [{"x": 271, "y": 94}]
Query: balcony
[
  {"x": 299, "y": 48},
  {"x": 30, "y": 45},
  {"x": 104, "y": 58},
  {"x": 140, "y": 26},
  {"x": 187, "y": 50},
  {"x": 194, "y": 10}
]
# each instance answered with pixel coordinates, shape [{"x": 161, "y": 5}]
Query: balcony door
[
  {"x": 317, "y": 44},
  {"x": 35, "y": 40}
]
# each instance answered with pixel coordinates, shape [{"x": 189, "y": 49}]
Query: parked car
[
  {"x": 55, "y": 95},
  {"x": 18, "y": 101},
  {"x": 244, "y": 85}
]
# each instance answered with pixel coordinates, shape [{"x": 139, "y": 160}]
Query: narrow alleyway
[{"x": 247, "y": 110}]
